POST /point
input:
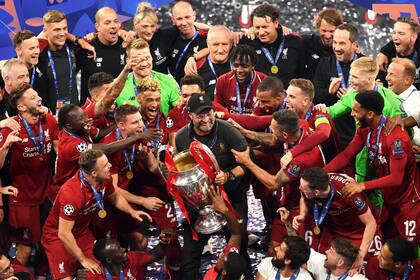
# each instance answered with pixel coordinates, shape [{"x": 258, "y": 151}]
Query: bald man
[
  {"x": 110, "y": 54},
  {"x": 188, "y": 42},
  {"x": 211, "y": 67}
]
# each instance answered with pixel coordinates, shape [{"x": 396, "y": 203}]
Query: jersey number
[
  {"x": 375, "y": 245},
  {"x": 410, "y": 226}
]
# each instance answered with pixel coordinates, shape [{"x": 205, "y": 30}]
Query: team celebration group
[{"x": 326, "y": 137}]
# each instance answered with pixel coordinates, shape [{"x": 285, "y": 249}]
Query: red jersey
[
  {"x": 158, "y": 123},
  {"x": 290, "y": 193},
  {"x": 135, "y": 268},
  {"x": 76, "y": 202},
  {"x": 29, "y": 170},
  {"x": 374, "y": 272},
  {"x": 69, "y": 149},
  {"x": 341, "y": 219},
  {"x": 98, "y": 121},
  {"x": 177, "y": 118},
  {"x": 226, "y": 96},
  {"x": 118, "y": 162}
]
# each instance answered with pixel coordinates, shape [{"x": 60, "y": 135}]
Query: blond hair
[
  {"x": 145, "y": 10},
  {"x": 137, "y": 44},
  {"x": 408, "y": 64},
  {"x": 306, "y": 86},
  {"x": 53, "y": 16},
  {"x": 148, "y": 84},
  {"x": 366, "y": 64}
]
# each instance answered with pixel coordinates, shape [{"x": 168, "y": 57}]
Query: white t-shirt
[
  {"x": 316, "y": 266},
  {"x": 411, "y": 105},
  {"x": 268, "y": 271}
]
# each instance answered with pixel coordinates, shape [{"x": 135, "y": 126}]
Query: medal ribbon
[
  {"x": 238, "y": 94},
  {"x": 33, "y": 76},
  {"x": 99, "y": 197},
  {"x": 293, "y": 277},
  {"x": 184, "y": 51},
  {"x": 279, "y": 51},
  {"x": 342, "y": 277},
  {"x": 109, "y": 276},
  {"x": 39, "y": 144},
  {"x": 130, "y": 160},
  {"x": 374, "y": 156},
  {"x": 406, "y": 274},
  {"x": 344, "y": 83},
  {"x": 318, "y": 218},
  {"x": 413, "y": 58},
  {"x": 51, "y": 61},
  {"x": 309, "y": 113},
  {"x": 155, "y": 142},
  {"x": 212, "y": 67}
]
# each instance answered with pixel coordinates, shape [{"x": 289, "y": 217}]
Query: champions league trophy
[{"x": 189, "y": 175}]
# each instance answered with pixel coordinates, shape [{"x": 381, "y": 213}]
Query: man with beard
[
  {"x": 397, "y": 260},
  {"x": 66, "y": 238},
  {"x": 221, "y": 138},
  {"x": 76, "y": 136},
  {"x": 393, "y": 161},
  {"x": 235, "y": 90},
  {"x": 300, "y": 94},
  {"x": 29, "y": 153},
  {"x": 363, "y": 72},
  {"x": 148, "y": 183},
  {"x": 138, "y": 50},
  {"x": 318, "y": 46},
  {"x": 178, "y": 117},
  {"x": 287, "y": 131},
  {"x": 332, "y": 77},
  {"x": 188, "y": 42},
  {"x": 217, "y": 63},
  {"x": 405, "y": 43},
  {"x": 277, "y": 55},
  {"x": 289, "y": 256}
]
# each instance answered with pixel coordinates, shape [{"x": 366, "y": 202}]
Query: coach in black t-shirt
[{"x": 220, "y": 137}]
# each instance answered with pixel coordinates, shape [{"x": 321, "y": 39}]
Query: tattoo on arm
[{"x": 265, "y": 139}]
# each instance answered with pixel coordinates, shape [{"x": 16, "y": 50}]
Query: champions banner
[{"x": 27, "y": 14}]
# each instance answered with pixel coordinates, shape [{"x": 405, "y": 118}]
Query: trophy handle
[
  {"x": 202, "y": 154},
  {"x": 163, "y": 152}
]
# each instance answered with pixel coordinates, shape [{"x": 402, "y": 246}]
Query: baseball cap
[{"x": 198, "y": 102}]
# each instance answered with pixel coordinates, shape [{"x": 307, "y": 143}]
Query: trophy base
[{"x": 209, "y": 221}]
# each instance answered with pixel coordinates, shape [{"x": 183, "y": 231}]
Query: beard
[
  {"x": 363, "y": 122},
  {"x": 279, "y": 264}
]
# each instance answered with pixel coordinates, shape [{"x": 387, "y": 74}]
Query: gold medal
[
  {"x": 317, "y": 230},
  {"x": 274, "y": 69},
  {"x": 129, "y": 175},
  {"x": 102, "y": 213}
]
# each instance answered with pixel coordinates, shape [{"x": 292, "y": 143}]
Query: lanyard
[
  {"x": 155, "y": 142},
  {"x": 51, "y": 60},
  {"x": 344, "y": 83},
  {"x": 109, "y": 276},
  {"x": 99, "y": 197},
  {"x": 342, "y": 277},
  {"x": 33, "y": 76},
  {"x": 130, "y": 160},
  {"x": 293, "y": 277},
  {"x": 185, "y": 50},
  {"x": 318, "y": 218},
  {"x": 279, "y": 51},
  {"x": 212, "y": 67},
  {"x": 413, "y": 58},
  {"x": 376, "y": 88},
  {"x": 309, "y": 113},
  {"x": 282, "y": 106},
  {"x": 238, "y": 95},
  {"x": 374, "y": 156},
  {"x": 39, "y": 145},
  {"x": 77, "y": 136},
  {"x": 407, "y": 271}
]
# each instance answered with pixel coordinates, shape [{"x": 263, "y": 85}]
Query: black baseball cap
[{"x": 199, "y": 102}]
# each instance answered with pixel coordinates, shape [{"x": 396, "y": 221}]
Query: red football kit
[
  {"x": 70, "y": 146},
  {"x": 76, "y": 202},
  {"x": 374, "y": 272},
  {"x": 212, "y": 274},
  {"x": 135, "y": 268},
  {"x": 98, "y": 121},
  {"x": 395, "y": 169},
  {"x": 177, "y": 118},
  {"x": 226, "y": 95},
  {"x": 30, "y": 172},
  {"x": 289, "y": 194}
]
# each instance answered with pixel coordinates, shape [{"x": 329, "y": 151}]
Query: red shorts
[
  {"x": 62, "y": 263},
  {"x": 164, "y": 217},
  {"x": 25, "y": 224},
  {"x": 403, "y": 220}
]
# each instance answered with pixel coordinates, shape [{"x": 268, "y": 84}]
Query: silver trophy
[{"x": 191, "y": 181}]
